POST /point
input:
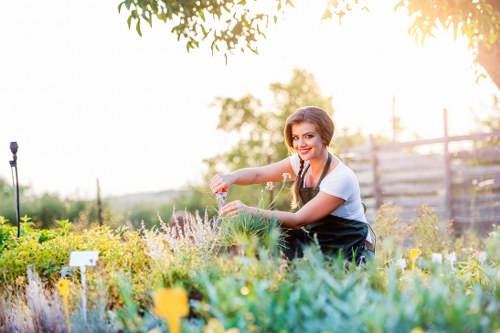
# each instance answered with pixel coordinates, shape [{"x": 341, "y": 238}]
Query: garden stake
[
  {"x": 413, "y": 256},
  {"x": 452, "y": 257},
  {"x": 437, "y": 258},
  {"x": 83, "y": 259},
  {"x": 171, "y": 304},
  {"x": 402, "y": 264},
  {"x": 482, "y": 257},
  {"x": 15, "y": 183},
  {"x": 63, "y": 288}
]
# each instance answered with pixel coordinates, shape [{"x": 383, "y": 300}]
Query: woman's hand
[
  {"x": 220, "y": 182},
  {"x": 234, "y": 207}
]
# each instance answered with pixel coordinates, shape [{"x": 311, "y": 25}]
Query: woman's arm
[
  {"x": 318, "y": 207},
  {"x": 246, "y": 176}
]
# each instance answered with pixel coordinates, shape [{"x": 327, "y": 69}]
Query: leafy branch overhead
[
  {"x": 238, "y": 25},
  {"x": 227, "y": 24}
]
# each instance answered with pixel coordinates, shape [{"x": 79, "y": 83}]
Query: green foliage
[
  {"x": 248, "y": 230},
  {"x": 228, "y": 25},
  {"x": 254, "y": 293},
  {"x": 47, "y": 252},
  {"x": 46, "y": 209},
  {"x": 479, "y": 20},
  {"x": 427, "y": 233}
]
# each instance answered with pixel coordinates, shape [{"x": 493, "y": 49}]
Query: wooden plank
[
  {"x": 417, "y": 201},
  {"x": 365, "y": 177},
  {"x": 477, "y": 220},
  {"x": 410, "y": 215},
  {"x": 356, "y": 150},
  {"x": 415, "y": 176},
  {"x": 466, "y": 199},
  {"x": 409, "y": 162},
  {"x": 367, "y": 191},
  {"x": 461, "y": 173},
  {"x": 404, "y": 189},
  {"x": 495, "y": 135},
  {"x": 479, "y": 185},
  {"x": 489, "y": 154},
  {"x": 360, "y": 166},
  {"x": 478, "y": 211}
]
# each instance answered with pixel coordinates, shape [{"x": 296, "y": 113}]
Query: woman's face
[{"x": 306, "y": 140}]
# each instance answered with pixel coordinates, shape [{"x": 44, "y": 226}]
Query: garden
[{"x": 211, "y": 274}]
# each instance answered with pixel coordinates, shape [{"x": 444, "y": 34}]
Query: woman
[{"x": 326, "y": 191}]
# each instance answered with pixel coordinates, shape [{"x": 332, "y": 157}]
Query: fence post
[
  {"x": 447, "y": 169},
  {"x": 99, "y": 204},
  {"x": 377, "y": 192}
]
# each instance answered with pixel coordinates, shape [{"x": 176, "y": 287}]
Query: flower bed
[{"x": 254, "y": 291}]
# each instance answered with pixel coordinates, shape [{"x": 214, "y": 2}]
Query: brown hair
[{"x": 325, "y": 127}]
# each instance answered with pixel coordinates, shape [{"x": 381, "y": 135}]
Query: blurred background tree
[{"x": 260, "y": 133}]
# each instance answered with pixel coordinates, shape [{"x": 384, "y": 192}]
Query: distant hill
[{"x": 130, "y": 200}]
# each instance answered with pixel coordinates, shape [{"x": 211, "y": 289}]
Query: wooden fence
[{"x": 457, "y": 176}]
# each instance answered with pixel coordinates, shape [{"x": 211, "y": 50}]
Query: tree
[
  {"x": 260, "y": 130},
  {"x": 236, "y": 25}
]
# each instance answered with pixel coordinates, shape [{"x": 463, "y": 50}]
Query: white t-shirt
[{"x": 341, "y": 182}]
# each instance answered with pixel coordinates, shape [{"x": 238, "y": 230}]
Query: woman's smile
[{"x": 304, "y": 151}]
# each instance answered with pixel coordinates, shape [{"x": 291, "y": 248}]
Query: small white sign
[
  {"x": 437, "y": 258},
  {"x": 402, "y": 263},
  {"x": 83, "y": 258},
  {"x": 482, "y": 257}
]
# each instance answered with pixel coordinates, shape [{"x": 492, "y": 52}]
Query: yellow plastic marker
[
  {"x": 63, "y": 288},
  {"x": 413, "y": 256},
  {"x": 171, "y": 304}
]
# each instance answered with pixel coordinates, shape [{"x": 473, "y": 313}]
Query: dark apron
[{"x": 335, "y": 235}]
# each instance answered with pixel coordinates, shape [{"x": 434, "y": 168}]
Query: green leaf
[
  {"x": 138, "y": 28},
  {"x": 129, "y": 21}
]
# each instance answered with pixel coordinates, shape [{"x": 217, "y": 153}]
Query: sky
[{"x": 86, "y": 98}]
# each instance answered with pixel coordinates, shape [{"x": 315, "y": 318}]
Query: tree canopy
[{"x": 238, "y": 25}]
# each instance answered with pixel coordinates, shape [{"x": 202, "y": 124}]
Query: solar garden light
[{"x": 15, "y": 183}]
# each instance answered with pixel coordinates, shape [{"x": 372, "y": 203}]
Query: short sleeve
[
  {"x": 340, "y": 183},
  {"x": 295, "y": 163}
]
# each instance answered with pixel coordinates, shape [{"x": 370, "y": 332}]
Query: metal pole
[
  {"x": 99, "y": 204},
  {"x": 15, "y": 184}
]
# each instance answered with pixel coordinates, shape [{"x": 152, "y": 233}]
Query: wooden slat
[
  {"x": 467, "y": 199},
  {"x": 415, "y": 163},
  {"x": 409, "y": 215},
  {"x": 477, "y": 220},
  {"x": 365, "y": 177},
  {"x": 477, "y": 211},
  {"x": 489, "y": 154},
  {"x": 417, "y": 201},
  {"x": 403, "y": 189},
  {"x": 461, "y": 173},
  {"x": 359, "y": 166},
  {"x": 357, "y": 150},
  {"x": 421, "y": 176}
]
